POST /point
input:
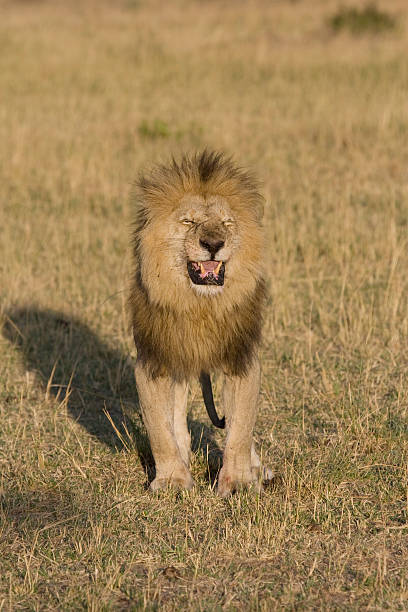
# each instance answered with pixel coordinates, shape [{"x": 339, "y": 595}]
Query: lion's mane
[{"x": 178, "y": 332}]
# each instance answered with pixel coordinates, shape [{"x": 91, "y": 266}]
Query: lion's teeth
[
  {"x": 202, "y": 268},
  {"x": 217, "y": 269}
]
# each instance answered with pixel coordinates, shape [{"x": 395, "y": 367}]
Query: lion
[{"x": 196, "y": 305}]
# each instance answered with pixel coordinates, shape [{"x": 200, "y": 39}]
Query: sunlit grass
[{"x": 90, "y": 94}]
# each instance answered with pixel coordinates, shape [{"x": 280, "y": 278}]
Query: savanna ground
[{"x": 90, "y": 93}]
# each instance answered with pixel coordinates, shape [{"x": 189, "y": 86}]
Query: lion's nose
[{"x": 212, "y": 245}]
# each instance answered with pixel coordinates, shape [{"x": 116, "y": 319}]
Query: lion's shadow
[{"x": 94, "y": 380}]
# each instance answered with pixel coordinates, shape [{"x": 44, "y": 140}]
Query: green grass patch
[
  {"x": 154, "y": 129},
  {"x": 366, "y": 20}
]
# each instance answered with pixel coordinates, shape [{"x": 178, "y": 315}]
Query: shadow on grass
[
  {"x": 202, "y": 441},
  {"x": 92, "y": 379},
  {"x": 76, "y": 367}
]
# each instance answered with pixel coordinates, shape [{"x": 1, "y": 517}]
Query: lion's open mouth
[{"x": 206, "y": 272}]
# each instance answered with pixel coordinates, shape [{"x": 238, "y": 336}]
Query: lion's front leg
[
  {"x": 241, "y": 465},
  {"x": 180, "y": 421},
  {"x": 168, "y": 439}
]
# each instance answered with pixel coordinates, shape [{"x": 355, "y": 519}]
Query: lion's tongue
[{"x": 208, "y": 267}]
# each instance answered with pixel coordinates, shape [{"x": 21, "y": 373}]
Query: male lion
[{"x": 196, "y": 306}]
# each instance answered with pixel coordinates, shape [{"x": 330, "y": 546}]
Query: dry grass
[{"x": 90, "y": 93}]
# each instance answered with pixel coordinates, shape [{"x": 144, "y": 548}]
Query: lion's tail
[{"x": 206, "y": 388}]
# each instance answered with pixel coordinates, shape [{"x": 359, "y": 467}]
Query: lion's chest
[
  {"x": 197, "y": 341},
  {"x": 201, "y": 337},
  {"x": 183, "y": 344}
]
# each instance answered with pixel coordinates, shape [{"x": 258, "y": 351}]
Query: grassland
[{"x": 90, "y": 93}]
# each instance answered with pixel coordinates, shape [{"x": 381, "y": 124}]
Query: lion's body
[{"x": 188, "y": 318}]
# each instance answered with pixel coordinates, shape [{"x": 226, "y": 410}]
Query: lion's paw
[
  {"x": 256, "y": 477},
  {"x": 179, "y": 482},
  {"x": 228, "y": 482}
]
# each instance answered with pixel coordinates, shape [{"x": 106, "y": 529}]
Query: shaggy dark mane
[
  {"x": 209, "y": 163},
  {"x": 202, "y": 173}
]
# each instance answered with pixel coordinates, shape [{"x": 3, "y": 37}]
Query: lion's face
[
  {"x": 209, "y": 240},
  {"x": 204, "y": 247}
]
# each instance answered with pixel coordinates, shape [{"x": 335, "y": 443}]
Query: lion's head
[{"x": 198, "y": 233}]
